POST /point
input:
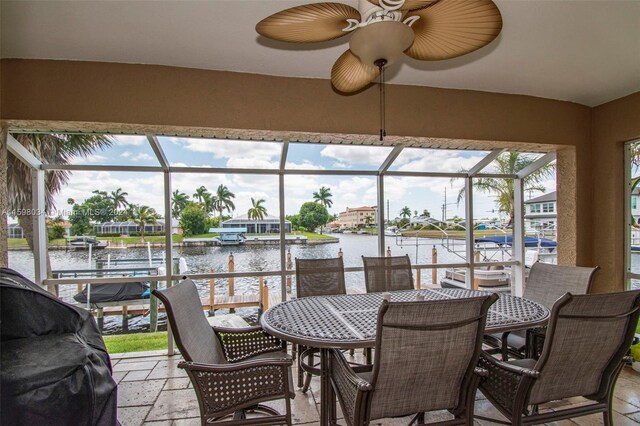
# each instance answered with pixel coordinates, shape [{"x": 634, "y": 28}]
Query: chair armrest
[
  {"x": 505, "y": 384},
  {"x": 217, "y": 385},
  {"x": 349, "y": 387},
  {"x": 492, "y": 364},
  {"x": 239, "y": 344}
]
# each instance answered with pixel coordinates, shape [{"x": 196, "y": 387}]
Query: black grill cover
[
  {"x": 113, "y": 292},
  {"x": 54, "y": 367}
]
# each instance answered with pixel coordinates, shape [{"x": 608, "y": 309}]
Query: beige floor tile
[
  {"x": 119, "y": 375},
  {"x": 303, "y": 408},
  {"x": 623, "y": 407},
  {"x": 192, "y": 421},
  {"x": 139, "y": 393},
  {"x": 635, "y": 417},
  {"x": 174, "y": 404},
  {"x": 596, "y": 420},
  {"x": 132, "y": 416},
  {"x": 169, "y": 399},
  {"x": 139, "y": 365},
  {"x": 177, "y": 383},
  {"x": 136, "y": 375}
]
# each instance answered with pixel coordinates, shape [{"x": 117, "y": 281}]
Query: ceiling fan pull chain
[{"x": 383, "y": 131}]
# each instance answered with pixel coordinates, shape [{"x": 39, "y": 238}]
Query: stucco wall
[
  {"x": 4, "y": 255},
  {"x": 613, "y": 124},
  {"x": 106, "y": 96}
]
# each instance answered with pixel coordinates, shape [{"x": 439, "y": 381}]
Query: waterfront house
[
  {"x": 357, "y": 217},
  {"x": 266, "y": 225},
  {"x": 541, "y": 213}
]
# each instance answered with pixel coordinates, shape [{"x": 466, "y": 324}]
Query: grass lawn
[
  {"x": 136, "y": 342},
  {"x": 313, "y": 235},
  {"x": 133, "y": 240}
]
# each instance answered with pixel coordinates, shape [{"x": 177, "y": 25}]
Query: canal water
[{"x": 249, "y": 258}]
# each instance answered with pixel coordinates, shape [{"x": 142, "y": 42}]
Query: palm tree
[
  {"x": 50, "y": 149},
  {"x": 258, "y": 211},
  {"x": 405, "y": 212},
  {"x": 511, "y": 163},
  {"x": 144, "y": 215},
  {"x": 179, "y": 201},
  {"x": 323, "y": 196},
  {"x": 222, "y": 201},
  {"x": 201, "y": 194},
  {"x": 118, "y": 198}
]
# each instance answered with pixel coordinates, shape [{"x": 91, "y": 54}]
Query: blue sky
[{"x": 348, "y": 191}]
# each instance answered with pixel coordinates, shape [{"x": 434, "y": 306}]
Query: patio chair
[
  {"x": 232, "y": 370},
  {"x": 387, "y": 273},
  {"x": 316, "y": 277},
  {"x": 426, "y": 358},
  {"x": 584, "y": 351},
  {"x": 546, "y": 284}
]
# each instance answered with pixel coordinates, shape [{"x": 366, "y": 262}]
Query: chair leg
[
  {"x": 300, "y": 371},
  {"x": 369, "y": 356},
  {"x": 607, "y": 417},
  {"x": 307, "y": 383}
]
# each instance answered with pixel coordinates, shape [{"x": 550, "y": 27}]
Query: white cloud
[
  {"x": 143, "y": 156},
  {"x": 222, "y": 148},
  {"x": 130, "y": 140},
  {"x": 305, "y": 165},
  {"x": 349, "y": 154},
  {"x": 91, "y": 159},
  {"x": 436, "y": 161},
  {"x": 126, "y": 154}
]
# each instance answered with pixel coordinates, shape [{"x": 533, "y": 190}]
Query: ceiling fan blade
[
  {"x": 349, "y": 74},
  {"x": 408, "y": 4},
  {"x": 308, "y": 23},
  {"x": 452, "y": 28}
]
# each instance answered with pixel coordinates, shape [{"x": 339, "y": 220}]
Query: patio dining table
[{"x": 349, "y": 321}]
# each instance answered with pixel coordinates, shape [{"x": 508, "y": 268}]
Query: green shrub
[
  {"x": 635, "y": 352},
  {"x": 146, "y": 234}
]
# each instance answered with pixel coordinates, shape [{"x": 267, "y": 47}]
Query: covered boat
[{"x": 104, "y": 293}]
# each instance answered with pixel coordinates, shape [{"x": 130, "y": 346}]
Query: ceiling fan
[{"x": 428, "y": 30}]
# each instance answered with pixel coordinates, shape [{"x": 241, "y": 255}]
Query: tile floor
[{"x": 152, "y": 390}]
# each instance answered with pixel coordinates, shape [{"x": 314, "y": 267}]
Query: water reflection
[{"x": 247, "y": 258}]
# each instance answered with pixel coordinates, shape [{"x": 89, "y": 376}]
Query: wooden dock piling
[{"x": 434, "y": 271}]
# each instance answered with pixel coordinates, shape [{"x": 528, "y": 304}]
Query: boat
[
  {"x": 110, "y": 294},
  {"x": 391, "y": 231},
  {"x": 361, "y": 232},
  {"x": 497, "y": 277},
  {"x": 83, "y": 243},
  {"x": 230, "y": 236},
  {"x": 347, "y": 231}
]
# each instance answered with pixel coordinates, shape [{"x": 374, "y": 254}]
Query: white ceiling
[{"x": 581, "y": 51}]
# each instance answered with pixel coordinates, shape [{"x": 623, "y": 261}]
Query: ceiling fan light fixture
[{"x": 381, "y": 40}]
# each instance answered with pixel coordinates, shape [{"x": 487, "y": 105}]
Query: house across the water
[{"x": 266, "y": 225}]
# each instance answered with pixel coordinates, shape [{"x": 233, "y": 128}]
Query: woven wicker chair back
[
  {"x": 320, "y": 277},
  {"x": 547, "y": 283},
  {"x": 586, "y": 339},
  {"x": 425, "y": 354},
  {"x": 387, "y": 273},
  {"x": 194, "y": 336}
]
